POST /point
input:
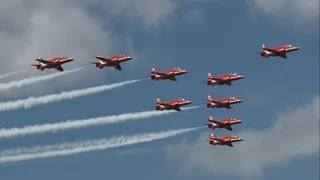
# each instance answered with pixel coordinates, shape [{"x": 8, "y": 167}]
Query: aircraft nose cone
[
  {"x": 129, "y": 57},
  {"x": 240, "y": 77},
  {"x": 238, "y": 121}
]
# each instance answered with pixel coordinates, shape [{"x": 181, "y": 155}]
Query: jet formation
[{"x": 171, "y": 74}]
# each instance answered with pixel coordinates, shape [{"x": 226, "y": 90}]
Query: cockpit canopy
[
  {"x": 234, "y": 98},
  {"x": 288, "y": 45},
  {"x": 234, "y": 136},
  {"x": 178, "y": 69},
  {"x": 181, "y": 99},
  {"x": 234, "y": 74}
]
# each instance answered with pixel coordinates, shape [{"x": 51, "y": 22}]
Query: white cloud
[
  {"x": 46, "y": 28},
  {"x": 295, "y": 134},
  {"x": 149, "y": 13},
  {"x": 296, "y": 11}
]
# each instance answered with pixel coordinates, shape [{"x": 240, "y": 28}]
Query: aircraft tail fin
[
  {"x": 210, "y": 98},
  {"x": 159, "y": 101},
  {"x": 39, "y": 59},
  {"x": 263, "y": 46},
  {"x": 213, "y": 136},
  {"x": 210, "y": 76},
  {"x": 154, "y": 70},
  {"x": 212, "y": 119}
]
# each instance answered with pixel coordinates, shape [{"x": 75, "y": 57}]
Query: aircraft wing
[
  {"x": 174, "y": 106},
  {"x": 216, "y": 139},
  {"x": 118, "y": 67},
  {"x": 217, "y": 122},
  {"x": 59, "y": 68},
  {"x": 45, "y": 62},
  {"x": 105, "y": 59},
  {"x": 226, "y": 80},
  {"x": 230, "y": 145},
  {"x": 275, "y": 51},
  {"x": 284, "y": 56},
  {"x": 164, "y": 74},
  {"x": 229, "y": 128},
  {"x": 217, "y": 102}
]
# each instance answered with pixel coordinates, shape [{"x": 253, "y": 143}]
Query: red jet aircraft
[
  {"x": 168, "y": 74},
  {"x": 225, "y": 140},
  {"x": 279, "y": 51},
  {"x": 225, "y": 123},
  {"x": 223, "y": 80},
  {"x": 171, "y": 105},
  {"x": 222, "y": 103},
  {"x": 114, "y": 61},
  {"x": 53, "y": 63}
]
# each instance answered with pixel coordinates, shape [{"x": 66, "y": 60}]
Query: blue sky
[{"x": 216, "y": 37}]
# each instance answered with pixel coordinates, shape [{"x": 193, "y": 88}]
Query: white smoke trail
[
  {"x": 35, "y": 101},
  {"x": 77, "y": 124},
  {"x": 12, "y": 73},
  {"x": 32, "y": 80},
  {"x": 66, "y": 149}
]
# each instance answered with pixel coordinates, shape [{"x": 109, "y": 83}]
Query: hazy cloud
[
  {"x": 48, "y": 28},
  {"x": 195, "y": 16},
  {"x": 296, "y": 11},
  {"x": 295, "y": 134},
  {"x": 148, "y": 13}
]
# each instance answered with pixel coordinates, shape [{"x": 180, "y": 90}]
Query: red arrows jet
[
  {"x": 279, "y": 51},
  {"x": 168, "y": 74},
  {"x": 171, "y": 105},
  {"x": 225, "y": 140},
  {"x": 114, "y": 61},
  {"x": 53, "y": 63},
  {"x": 223, "y": 80},
  {"x": 222, "y": 103},
  {"x": 225, "y": 123}
]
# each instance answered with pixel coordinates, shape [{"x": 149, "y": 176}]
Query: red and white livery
[
  {"x": 222, "y": 103},
  {"x": 225, "y": 140},
  {"x": 168, "y": 74},
  {"x": 114, "y": 61},
  {"x": 54, "y": 63},
  {"x": 223, "y": 124},
  {"x": 223, "y": 80},
  {"x": 279, "y": 51},
  {"x": 171, "y": 105}
]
